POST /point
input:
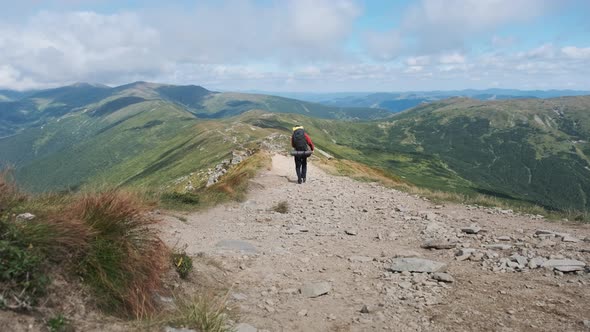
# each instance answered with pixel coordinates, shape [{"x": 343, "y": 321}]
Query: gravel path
[{"x": 325, "y": 264}]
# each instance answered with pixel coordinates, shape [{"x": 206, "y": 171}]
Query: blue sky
[{"x": 298, "y": 45}]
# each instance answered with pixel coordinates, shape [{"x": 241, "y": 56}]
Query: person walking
[{"x": 301, "y": 141}]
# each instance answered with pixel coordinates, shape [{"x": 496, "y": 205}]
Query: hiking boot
[
  {"x": 299, "y": 181},
  {"x": 303, "y": 180}
]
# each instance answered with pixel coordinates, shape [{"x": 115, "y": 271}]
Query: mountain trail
[{"x": 326, "y": 264}]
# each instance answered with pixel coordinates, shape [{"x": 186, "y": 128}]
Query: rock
[
  {"x": 236, "y": 245},
  {"x": 465, "y": 251},
  {"x": 351, "y": 232},
  {"x": 438, "y": 244},
  {"x": 405, "y": 254},
  {"x": 444, "y": 277},
  {"x": 536, "y": 262},
  {"x": 569, "y": 238},
  {"x": 173, "y": 329},
  {"x": 365, "y": 309},
  {"x": 504, "y": 238},
  {"x": 464, "y": 257},
  {"x": 405, "y": 285},
  {"x": 586, "y": 323},
  {"x": 471, "y": 229},
  {"x": 545, "y": 232},
  {"x": 362, "y": 259},
  {"x": 513, "y": 265},
  {"x": 497, "y": 246},
  {"x": 521, "y": 260},
  {"x": 243, "y": 327},
  {"x": 565, "y": 265},
  {"x": 315, "y": 289},
  {"x": 417, "y": 265},
  {"x": 25, "y": 216},
  {"x": 302, "y": 313}
]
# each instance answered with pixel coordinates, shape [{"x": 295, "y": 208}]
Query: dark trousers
[{"x": 301, "y": 167}]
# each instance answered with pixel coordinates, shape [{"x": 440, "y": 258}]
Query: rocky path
[{"x": 344, "y": 258}]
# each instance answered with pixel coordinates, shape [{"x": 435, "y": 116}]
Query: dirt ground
[
  {"x": 339, "y": 238},
  {"x": 347, "y": 233}
]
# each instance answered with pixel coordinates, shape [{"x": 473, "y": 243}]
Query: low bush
[{"x": 182, "y": 263}]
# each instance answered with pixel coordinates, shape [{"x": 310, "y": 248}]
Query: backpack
[{"x": 299, "y": 140}]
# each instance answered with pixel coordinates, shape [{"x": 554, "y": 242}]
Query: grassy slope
[
  {"x": 517, "y": 149},
  {"x": 522, "y": 149}
]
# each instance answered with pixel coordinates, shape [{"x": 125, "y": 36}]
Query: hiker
[{"x": 301, "y": 142}]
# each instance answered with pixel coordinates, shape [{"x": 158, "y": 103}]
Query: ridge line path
[{"x": 341, "y": 236}]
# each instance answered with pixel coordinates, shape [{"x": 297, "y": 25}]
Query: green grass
[
  {"x": 232, "y": 186},
  {"x": 106, "y": 238},
  {"x": 202, "y": 312},
  {"x": 183, "y": 264},
  {"x": 59, "y": 323}
]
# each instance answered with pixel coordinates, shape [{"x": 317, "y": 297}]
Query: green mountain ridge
[{"x": 150, "y": 135}]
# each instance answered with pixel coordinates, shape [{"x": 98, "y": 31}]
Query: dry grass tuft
[
  {"x": 9, "y": 192},
  {"x": 125, "y": 259}
]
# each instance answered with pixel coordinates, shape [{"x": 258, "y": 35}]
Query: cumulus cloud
[
  {"x": 433, "y": 26},
  {"x": 577, "y": 52},
  {"x": 53, "y": 48},
  {"x": 287, "y": 45}
]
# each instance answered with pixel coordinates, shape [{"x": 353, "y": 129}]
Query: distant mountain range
[
  {"x": 25, "y": 109},
  {"x": 162, "y": 137},
  {"x": 400, "y": 101}
]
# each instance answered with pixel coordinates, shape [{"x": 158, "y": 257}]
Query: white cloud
[
  {"x": 383, "y": 45},
  {"x": 435, "y": 26},
  {"x": 453, "y": 58},
  {"x": 418, "y": 60},
  {"x": 53, "y": 48},
  {"x": 577, "y": 52}
]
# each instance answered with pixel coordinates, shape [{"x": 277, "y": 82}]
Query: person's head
[{"x": 297, "y": 127}]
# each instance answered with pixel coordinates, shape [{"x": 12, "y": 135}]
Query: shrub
[{"x": 182, "y": 263}]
